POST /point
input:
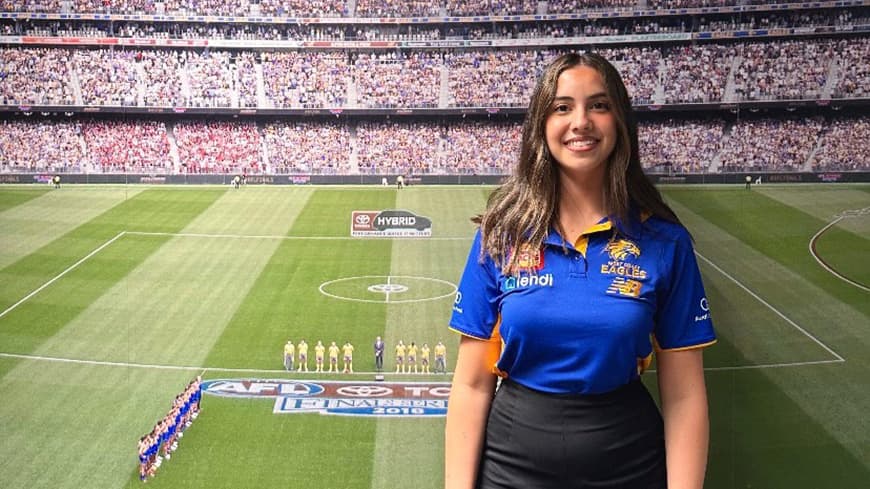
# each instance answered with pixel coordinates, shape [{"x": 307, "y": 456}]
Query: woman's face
[{"x": 581, "y": 126}]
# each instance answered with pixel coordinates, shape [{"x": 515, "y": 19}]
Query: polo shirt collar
[{"x": 555, "y": 239}]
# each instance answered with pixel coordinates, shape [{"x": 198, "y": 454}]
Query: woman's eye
[
  {"x": 601, "y": 106},
  {"x": 560, "y": 108}
]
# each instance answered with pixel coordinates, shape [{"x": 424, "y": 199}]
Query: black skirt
[{"x": 536, "y": 440}]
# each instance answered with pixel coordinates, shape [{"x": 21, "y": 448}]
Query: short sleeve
[
  {"x": 683, "y": 319},
  {"x": 475, "y": 308}
]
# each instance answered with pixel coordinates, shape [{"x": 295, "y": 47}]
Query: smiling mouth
[{"x": 581, "y": 144}]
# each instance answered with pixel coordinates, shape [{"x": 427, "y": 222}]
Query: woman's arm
[
  {"x": 467, "y": 411},
  {"x": 684, "y": 408}
]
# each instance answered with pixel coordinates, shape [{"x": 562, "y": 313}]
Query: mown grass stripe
[
  {"x": 776, "y": 230},
  {"x": 284, "y": 303},
  {"x": 31, "y": 323},
  {"x": 817, "y": 390},
  {"x": 96, "y": 408},
  {"x": 39, "y": 221},
  {"x": 15, "y": 196},
  {"x": 423, "y": 322}
]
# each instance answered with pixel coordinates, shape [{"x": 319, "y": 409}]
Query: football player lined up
[
  {"x": 162, "y": 441},
  {"x": 410, "y": 358}
]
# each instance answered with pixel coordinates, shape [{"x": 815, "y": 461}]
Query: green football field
[{"x": 113, "y": 297}]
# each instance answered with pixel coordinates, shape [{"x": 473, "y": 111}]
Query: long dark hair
[{"x": 522, "y": 210}]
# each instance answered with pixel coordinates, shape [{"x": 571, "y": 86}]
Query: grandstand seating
[{"x": 501, "y": 75}]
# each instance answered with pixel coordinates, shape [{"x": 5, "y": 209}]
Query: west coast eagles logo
[
  {"x": 628, "y": 276},
  {"x": 620, "y": 249}
]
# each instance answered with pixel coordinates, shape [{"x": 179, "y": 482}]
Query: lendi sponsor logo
[
  {"x": 523, "y": 281},
  {"x": 340, "y": 397}
]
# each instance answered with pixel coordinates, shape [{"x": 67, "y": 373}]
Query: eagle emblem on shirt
[{"x": 620, "y": 249}]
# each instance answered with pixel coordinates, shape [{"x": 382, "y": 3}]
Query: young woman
[{"x": 578, "y": 273}]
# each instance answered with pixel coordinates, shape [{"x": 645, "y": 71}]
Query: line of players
[
  {"x": 163, "y": 438},
  {"x": 320, "y": 351},
  {"x": 409, "y": 359}
]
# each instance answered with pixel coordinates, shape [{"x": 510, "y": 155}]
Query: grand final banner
[{"x": 343, "y": 398}]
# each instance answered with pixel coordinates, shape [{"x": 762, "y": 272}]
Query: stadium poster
[
  {"x": 340, "y": 398},
  {"x": 394, "y": 223}
]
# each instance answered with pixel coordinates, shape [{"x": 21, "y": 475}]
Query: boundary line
[
  {"x": 822, "y": 262},
  {"x": 203, "y": 369},
  {"x": 61, "y": 274},
  {"x": 775, "y": 310}
]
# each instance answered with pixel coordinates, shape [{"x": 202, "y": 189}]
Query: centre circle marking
[
  {"x": 388, "y": 285},
  {"x": 388, "y": 288}
]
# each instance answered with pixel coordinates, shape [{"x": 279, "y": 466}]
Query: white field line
[
  {"x": 815, "y": 255},
  {"x": 203, "y": 369},
  {"x": 61, "y": 274},
  {"x": 200, "y": 368},
  {"x": 775, "y": 310}
]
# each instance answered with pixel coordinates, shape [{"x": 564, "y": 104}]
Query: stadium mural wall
[{"x": 211, "y": 179}]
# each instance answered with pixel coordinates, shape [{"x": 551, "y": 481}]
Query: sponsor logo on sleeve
[
  {"x": 457, "y": 302},
  {"x": 704, "y": 312}
]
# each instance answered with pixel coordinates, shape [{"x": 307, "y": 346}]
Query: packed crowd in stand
[
  {"x": 490, "y": 78},
  {"x": 780, "y": 71},
  {"x": 697, "y": 74},
  {"x": 130, "y": 146},
  {"x": 639, "y": 67},
  {"x": 308, "y": 147},
  {"x": 707, "y": 73},
  {"x": 297, "y": 79},
  {"x": 480, "y": 148},
  {"x": 676, "y": 146},
  {"x": 335, "y": 8},
  {"x": 38, "y": 146},
  {"x": 106, "y": 77},
  {"x": 397, "y": 147},
  {"x": 397, "y": 8},
  {"x": 307, "y": 8},
  {"x": 854, "y": 70},
  {"x": 724, "y": 71},
  {"x": 844, "y": 146},
  {"x": 36, "y": 76},
  {"x": 398, "y": 79},
  {"x": 218, "y": 147},
  {"x": 162, "y": 77},
  {"x": 412, "y": 148},
  {"x": 364, "y": 8},
  {"x": 771, "y": 145},
  {"x": 405, "y": 32}
]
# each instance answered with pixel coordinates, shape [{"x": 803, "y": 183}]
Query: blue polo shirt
[{"x": 585, "y": 321}]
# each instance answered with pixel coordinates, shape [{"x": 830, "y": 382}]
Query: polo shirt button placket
[{"x": 578, "y": 266}]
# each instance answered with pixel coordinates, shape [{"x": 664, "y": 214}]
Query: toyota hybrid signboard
[{"x": 389, "y": 224}]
